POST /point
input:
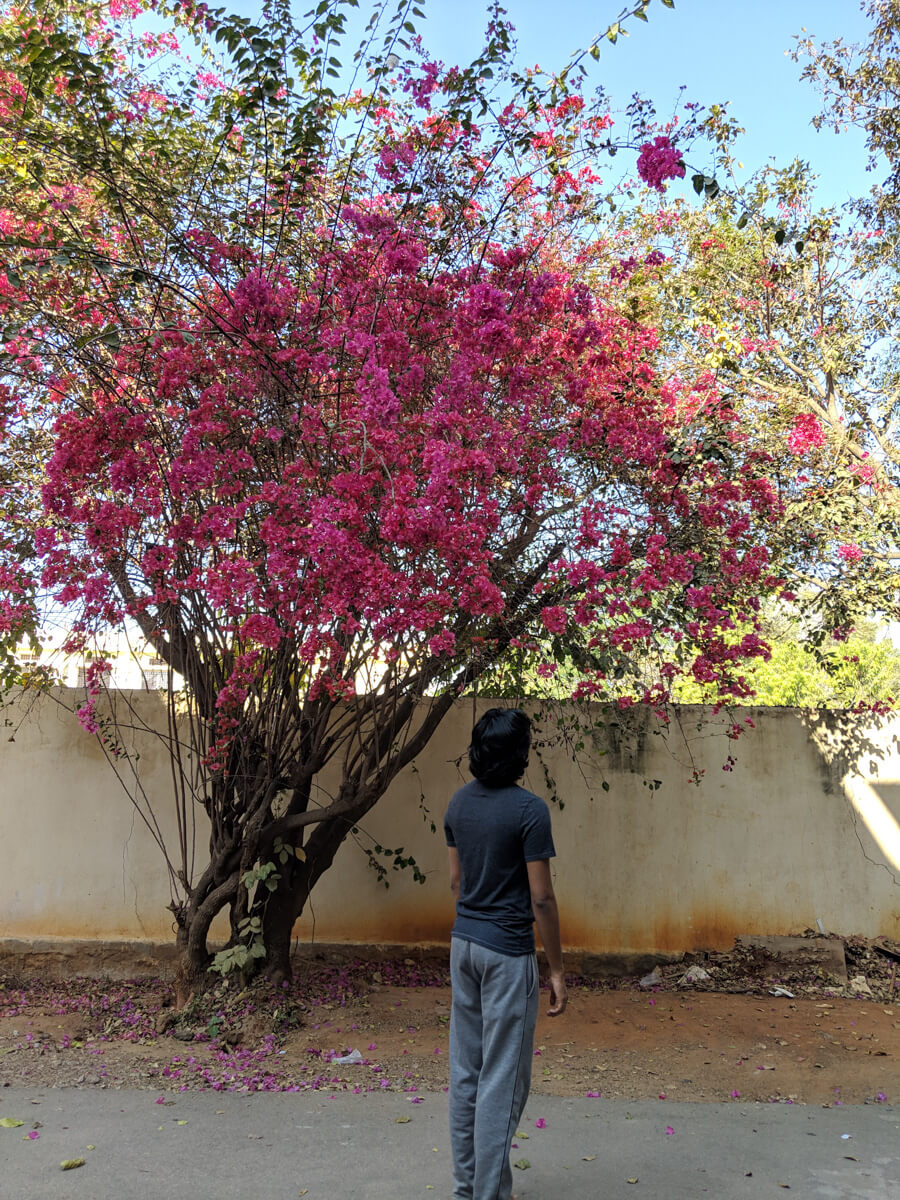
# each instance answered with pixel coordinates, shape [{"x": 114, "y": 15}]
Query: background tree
[
  {"x": 859, "y": 672},
  {"x": 795, "y": 315},
  {"x": 339, "y": 414},
  {"x": 861, "y": 86}
]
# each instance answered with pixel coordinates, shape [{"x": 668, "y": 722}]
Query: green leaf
[
  {"x": 699, "y": 182},
  {"x": 594, "y": 52},
  {"x": 10, "y": 1123},
  {"x": 779, "y": 236},
  {"x": 669, "y": 3},
  {"x": 743, "y": 219},
  {"x": 798, "y": 246}
]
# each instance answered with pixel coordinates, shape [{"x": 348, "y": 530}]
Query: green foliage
[
  {"x": 400, "y": 862},
  {"x": 847, "y": 674},
  {"x": 263, "y": 873},
  {"x": 243, "y": 954},
  {"x": 284, "y": 852}
]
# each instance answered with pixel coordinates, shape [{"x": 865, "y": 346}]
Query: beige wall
[{"x": 805, "y": 827}]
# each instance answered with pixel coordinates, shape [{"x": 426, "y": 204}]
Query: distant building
[{"x": 134, "y": 664}]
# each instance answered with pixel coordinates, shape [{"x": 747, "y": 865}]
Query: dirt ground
[{"x": 725, "y": 1039}]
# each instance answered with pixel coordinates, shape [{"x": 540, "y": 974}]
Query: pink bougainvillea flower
[
  {"x": 554, "y": 619},
  {"x": 658, "y": 162},
  {"x": 540, "y": 1123},
  {"x": 669, "y": 1131},
  {"x": 805, "y": 434}
]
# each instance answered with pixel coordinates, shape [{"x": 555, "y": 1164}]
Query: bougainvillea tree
[{"x": 337, "y": 396}]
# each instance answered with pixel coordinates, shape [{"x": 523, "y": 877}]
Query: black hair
[{"x": 498, "y": 754}]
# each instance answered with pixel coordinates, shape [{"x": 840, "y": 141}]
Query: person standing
[{"x": 500, "y": 842}]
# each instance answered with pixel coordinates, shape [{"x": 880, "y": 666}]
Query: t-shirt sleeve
[
  {"x": 537, "y": 838},
  {"x": 448, "y": 832}
]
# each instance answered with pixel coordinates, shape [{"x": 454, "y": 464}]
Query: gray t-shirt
[{"x": 496, "y": 831}]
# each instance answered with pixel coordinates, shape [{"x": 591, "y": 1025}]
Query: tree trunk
[
  {"x": 278, "y": 924},
  {"x": 191, "y": 968},
  {"x": 287, "y": 903},
  {"x": 193, "y": 921}
]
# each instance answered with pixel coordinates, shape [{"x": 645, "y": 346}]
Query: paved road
[{"x": 209, "y": 1146}]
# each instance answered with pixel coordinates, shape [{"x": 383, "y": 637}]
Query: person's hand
[{"x": 559, "y": 996}]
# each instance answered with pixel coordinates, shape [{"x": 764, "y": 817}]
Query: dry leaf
[
  {"x": 69, "y": 1164},
  {"x": 10, "y": 1122},
  {"x": 403, "y": 1120},
  {"x": 589, "y": 1158},
  {"x": 523, "y": 1164},
  {"x": 633, "y": 1179}
]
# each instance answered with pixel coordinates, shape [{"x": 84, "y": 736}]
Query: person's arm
[
  {"x": 546, "y": 916},
  {"x": 454, "y": 871}
]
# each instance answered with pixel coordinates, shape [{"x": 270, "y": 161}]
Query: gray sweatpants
[{"x": 495, "y": 1005}]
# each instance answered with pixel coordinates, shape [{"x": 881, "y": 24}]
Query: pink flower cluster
[
  {"x": 805, "y": 434},
  {"x": 425, "y": 85},
  {"x": 658, "y": 162}
]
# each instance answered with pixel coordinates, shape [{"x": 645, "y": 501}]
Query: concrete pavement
[{"x": 214, "y": 1146}]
